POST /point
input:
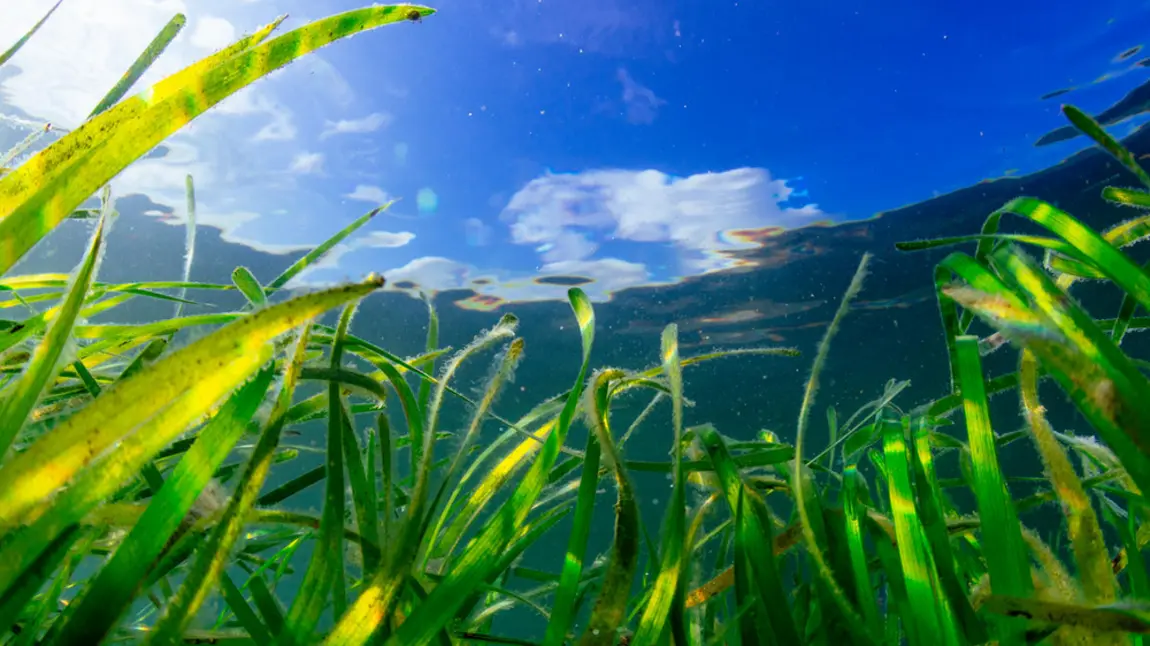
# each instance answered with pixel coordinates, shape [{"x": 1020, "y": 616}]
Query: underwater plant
[{"x": 125, "y": 502}]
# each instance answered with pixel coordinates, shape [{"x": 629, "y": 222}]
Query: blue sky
[{"x": 625, "y": 141}]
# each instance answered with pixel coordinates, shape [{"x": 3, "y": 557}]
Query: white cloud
[
  {"x": 374, "y": 239},
  {"x": 430, "y": 273},
  {"x": 567, "y": 246},
  {"x": 366, "y": 193},
  {"x": 606, "y": 276},
  {"x": 508, "y": 37},
  {"x": 386, "y": 239},
  {"x": 333, "y": 85},
  {"x": 81, "y": 51},
  {"x": 476, "y": 233},
  {"x": 370, "y": 123},
  {"x": 307, "y": 163},
  {"x": 280, "y": 128},
  {"x": 433, "y": 273},
  {"x": 612, "y": 27},
  {"x": 254, "y": 100},
  {"x": 561, "y": 213},
  {"x": 642, "y": 104},
  {"x": 213, "y": 33}
]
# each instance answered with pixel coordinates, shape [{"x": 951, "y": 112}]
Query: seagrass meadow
[{"x": 137, "y": 463}]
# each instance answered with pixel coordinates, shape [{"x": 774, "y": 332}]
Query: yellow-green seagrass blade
[
  {"x": 56, "y": 457},
  {"x": 44, "y": 191},
  {"x": 46, "y": 358}
]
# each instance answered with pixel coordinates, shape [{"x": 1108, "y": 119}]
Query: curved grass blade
[
  {"x": 386, "y": 471},
  {"x": 113, "y": 335},
  {"x": 1120, "y": 235},
  {"x": 266, "y": 603},
  {"x": 799, "y": 476},
  {"x": 108, "y": 595},
  {"x": 563, "y": 607},
  {"x": 45, "y": 361},
  {"x": 413, "y": 415},
  {"x": 325, "y": 571},
  {"x": 53, "y": 280},
  {"x": 521, "y": 540},
  {"x": 213, "y": 555},
  {"x": 1104, "y": 383},
  {"x": 321, "y": 249},
  {"x": 1006, "y": 557},
  {"x": 356, "y": 382},
  {"x": 1089, "y": 127},
  {"x": 56, "y": 457},
  {"x": 445, "y": 543},
  {"x": 751, "y": 610},
  {"x": 378, "y": 356},
  {"x": 474, "y": 565},
  {"x": 363, "y": 492},
  {"x": 388, "y": 581},
  {"x": 953, "y": 325},
  {"x": 42, "y": 192},
  {"x": 141, "y": 64},
  {"x": 505, "y": 371},
  {"x": 610, "y": 608},
  {"x": 853, "y": 487},
  {"x": 928, "y": 617},
  {"x": 23, "y": 39},
  {"x": 1122, "y": 322},
  {"x": 667, "y": 594},
  {"x": 54, "y": 162},
  {"x": 50, "y": 599},
  {"x": 292, "y": 487},
  {"x": 1127, "y": 196},
  {"x": 1042, "y": 242},
  {"x": 1110, "y": 261},
  {"x": 1130, "y": 559},
  {"x": 251, "y": 622},
  {"x": 244, "y": 281},
  {"x": 17, "y": 597},
  {"x": 431, "y": 345},
  {"x": 36, "y": 324},
  {"x": 1131, "y": 617},
  {"x": 1085, "y": 533},
  {"x": 758, "y": 526},
  {"x": 422, "y": 446},
  {"x": 726, "y": 578},
  {"x": 24, "y": 145},
  {"x": 931, "y": 511},
  {"x": 94, "y": 485}
]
